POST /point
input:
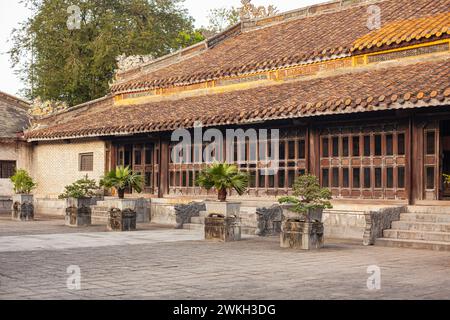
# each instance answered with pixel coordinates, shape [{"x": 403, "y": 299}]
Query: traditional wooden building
[
  {"x": 362, "y": 105},
  {"x": 14, "y": 150}
]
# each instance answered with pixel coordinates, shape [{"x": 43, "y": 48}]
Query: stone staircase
[
  {"x": 420, "y": 227},
  {"x": 99, "y": 213}
]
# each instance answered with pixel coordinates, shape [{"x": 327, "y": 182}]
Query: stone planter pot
[
  {"x": 122, "y": 217},
  {"x": 78, "y": 212},
  {"x": 223, "y": 229},
  {"x": 22, "y": 207},
  {"x": 302, "y": 235},
  {"x": 225, "y": 209},
  {"x": 310, "y": 216},
  {"x": 302, "y": 231}
]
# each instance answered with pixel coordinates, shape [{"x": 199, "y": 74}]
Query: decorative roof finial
[{"x": 250, "y": 11}]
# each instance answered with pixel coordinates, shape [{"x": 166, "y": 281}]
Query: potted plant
[
  {"x": 223, "y": 222},
  {"x": 223, "y": 177},
  {"x": 302, "y": 225},
  {"x": 446, "y": 178},
  {"x": 78, "y": 198},
  {"x": 121, "y": 179},
  {"x": 22, "y": 208},
  {"x": 122, "y": 213}
]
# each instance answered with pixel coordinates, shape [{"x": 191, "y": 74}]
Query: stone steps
[
  {"x": 429, "y": 209},
  {"x": 198, "y": 220},
  {"x": 425, "y": 217},
  {"x": 417, "y": 235},
  {"x": 421, "y": 227},
  {"x": 193, "y": 226},
  {"x": 413, "y": 244}
]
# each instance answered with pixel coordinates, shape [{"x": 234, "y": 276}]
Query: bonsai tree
[
  {"x": 22, "y": 182},
  {"x": 222, "y": 177},
  {"x": 308, "y": 195},
  {"x": 122, "y": 178},
  {"x": 83, "y": 188}
]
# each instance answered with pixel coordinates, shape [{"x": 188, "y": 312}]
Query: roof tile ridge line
[
  {"x": 10, "y": 96},
  {"x": 287, "y": 15},
  {"x": 245, "y": 73},
  {"x": 176, "y": 53},
  {"x": 206, "y": 43},
  {"x": 76, "y": 107}
]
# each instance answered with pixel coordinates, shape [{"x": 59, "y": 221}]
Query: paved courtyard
[{"x": 162, "y": 263}]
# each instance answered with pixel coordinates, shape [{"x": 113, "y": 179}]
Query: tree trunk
[
  {"x": 121, "y": 193},
  {"x": 223, "y": 195}
]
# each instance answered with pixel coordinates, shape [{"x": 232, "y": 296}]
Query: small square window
[
  {"x": 7, "y": 169},
  {"x": 86, "y": 162}
]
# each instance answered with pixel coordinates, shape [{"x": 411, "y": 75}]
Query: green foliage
[
  {"x": 220, "y": 19},
  {"x": 77, "y": 65},
  {"x": 122, "y": 178},
  {"x": 308, "y": 195},
  {"x": 447, "y": 178},
  {"x": 223, "y": 176},
  {"x": 83, "y": 188},
  {"x": 22, "y": 182}
]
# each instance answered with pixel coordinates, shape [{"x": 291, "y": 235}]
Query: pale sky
[{"x": 12, "y": 12}]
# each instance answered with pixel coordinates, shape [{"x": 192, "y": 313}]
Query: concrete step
[
  {"x": 248, "y": 210},
  {"x": 429, "y": 209},
  {"x": 99, "y": 208},
  {"x": 417, "y": 235},
  {"x": 421, "y": 226},
  {"x": 99, "y": 220},
  {"x": 413, "y": 244},
  {"x": 198, "y": 220},
  {"x": 425, "y": 217},
  {"x": 193, "y": 226}
]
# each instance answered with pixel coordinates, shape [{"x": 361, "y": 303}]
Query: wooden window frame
[
  {"x": 10, "y": 165},
  {"x": 82, "y": 166}
]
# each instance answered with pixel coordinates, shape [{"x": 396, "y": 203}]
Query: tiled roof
[
  {"x": 13, "y": 115},
  {"x": 372, "y": 88},
  {"x": 405, "y": 31},
  {"x": 317, "y": 35}
]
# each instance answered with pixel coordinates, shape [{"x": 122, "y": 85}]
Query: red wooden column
[
  {"x": 112, "y": 161},
  {"x": 314, "y": 151},
  {"x": 163, "y": 168},
  {"x": 417, "y": 165}
]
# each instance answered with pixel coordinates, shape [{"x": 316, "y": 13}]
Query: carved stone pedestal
[
  {"x": 219, "y": 228},
  {"x": 78, "y": 212},
  {"x": 123, "y": 217},
  {"x": 225, "y": 209},
  {"x": 22, "y": 207},
  {"x": 302, "y": 235}
]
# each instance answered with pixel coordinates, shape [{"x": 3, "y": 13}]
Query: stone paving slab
[
  {"x": 92, "y": 240},
  {"x": 176, "y": 264}
]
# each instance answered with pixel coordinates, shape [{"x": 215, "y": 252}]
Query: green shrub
[
  {"x": 223, "y": 176},
  {"x": 447, "y": 178},
  {"x": 22, "y": 182},
  {"x": 308, "y": 194},
  {"x": 83, "y": 188},
  {"x": 121, "y": 179}
]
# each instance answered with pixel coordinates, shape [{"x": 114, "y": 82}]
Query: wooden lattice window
[
  {"x": 7, "y": 169},
  {"x": 366, "y": 162},
  {"x": 292, "y": 162},
  {"x": 86, "y": 162}
]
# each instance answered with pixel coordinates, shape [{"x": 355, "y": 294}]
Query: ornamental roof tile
[
  {"x": 385, "y": 87},
  {"x": 322, "y": 32}
]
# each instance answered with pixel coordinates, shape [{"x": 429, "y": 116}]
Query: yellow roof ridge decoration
[{"x": 397, "y": 32}]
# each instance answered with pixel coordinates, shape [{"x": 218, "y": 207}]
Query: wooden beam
[{"x": 163, "y": 168}]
